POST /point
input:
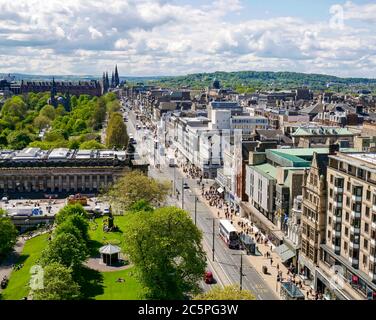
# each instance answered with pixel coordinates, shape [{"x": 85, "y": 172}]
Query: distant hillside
[{"x": 249, "y": 81}]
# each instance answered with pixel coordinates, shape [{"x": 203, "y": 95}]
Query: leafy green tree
[
  {"x": 18, "y": 139},
  {"x": 165, "y": 246},
  {"x": 14, "y": 107},
  {"x": 67, "y": 250},
  {"x": 135, "y": 186},
  {"x": 116, "y": 134},
  {"x": 48, "y": 111},
  {"x": 42, "y": 122},
  {"x": 231, "y": 292},
  {"x": 58, "y": 284},
  {"x": 68, "y": 227},
  {"x": 69, "y": 210},
  {"x": 8, "y": 234},
  {"x": 79, "y": 126},
  {"x": 91, "y": 145}
]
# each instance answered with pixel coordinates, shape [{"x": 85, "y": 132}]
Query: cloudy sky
[{"x": 172, "y": 37}]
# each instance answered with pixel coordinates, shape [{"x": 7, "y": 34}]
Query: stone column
[
  {"x": 60, "y": 183},
  {"x": 98, "y": 181},
  {"x": 68, "y": 183},
  {"x": 91, "y": 182},
  {"x": 75, "y": 183},
  {"x": 52, "y": 183}
]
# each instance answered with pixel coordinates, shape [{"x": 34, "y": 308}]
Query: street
[{"x": 226, "y": 264}]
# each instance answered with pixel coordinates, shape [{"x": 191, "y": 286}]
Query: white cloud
[
  {"x": 95, "y": 34},
  {"x": 146, "y": 37}
]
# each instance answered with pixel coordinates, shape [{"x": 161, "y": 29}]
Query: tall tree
[
  {"x": 8, "y": 235},
  {"x": 135, "y": 186},
  {"x": 231, "y": 292},
  {"x": 166, "y": 248},
  {"x": 58, "y": 284},
  {"x": 67, "y": 250},
  {"x": 116, "y": 134}
]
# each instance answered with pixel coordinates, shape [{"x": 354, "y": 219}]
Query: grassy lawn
[
  {"x": 130, "y": 289},
  {"x": 100, "y": 238},
  {"x": 18, "y": 286},
  {"x": 97, "y": 285}
]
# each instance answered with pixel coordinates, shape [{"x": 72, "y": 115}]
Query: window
[
  {"x": 347, "y": 216},
  {"x": 345, "y": 245},
  {"x": 367, "y": 212},
  {"x": 365, "y": 244},
  {"x": 329, "y": 234},
  {"x": 329, "y": 220},
  {"x": 365, "y": 260},
  {"x": 347, "y": 202},
  {"x": 348, "y": 186},
  {"x": 368, "y": 195},
  {"x": 346, "y": 231},
  {"x": 331, "y": 178},
  {"x": 366, "y": 227},
  {"x": 331, "y": 193}
]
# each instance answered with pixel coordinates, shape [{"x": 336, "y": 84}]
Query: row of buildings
[
  {"x": 36, "y": 172},
  {"x": 300, "y": 166}
]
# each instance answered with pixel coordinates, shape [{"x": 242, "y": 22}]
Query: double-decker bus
[{"x": 229, "y": 234}]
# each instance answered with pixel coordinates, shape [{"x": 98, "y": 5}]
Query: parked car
[
  {"x": 185, "y": 185},
  {"x": 208, "y": 277}
]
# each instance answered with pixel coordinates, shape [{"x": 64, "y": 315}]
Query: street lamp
[
  {"x": 213, "y": 239},
  {"x": 240, "y": 268}
]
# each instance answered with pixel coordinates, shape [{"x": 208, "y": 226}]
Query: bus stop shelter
[{"x": 290, "y": 291}]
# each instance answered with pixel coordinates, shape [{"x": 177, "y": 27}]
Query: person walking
[
  {"x": 271, "y": 261},
  {"x": 278, "y": 266}
]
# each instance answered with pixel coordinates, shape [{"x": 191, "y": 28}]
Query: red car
[{"x": 208, "y": 277}]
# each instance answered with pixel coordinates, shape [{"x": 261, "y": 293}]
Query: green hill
[{"x": 249, "y": 81}]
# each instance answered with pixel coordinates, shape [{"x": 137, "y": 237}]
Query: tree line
[{"x": 23, "y": 117}]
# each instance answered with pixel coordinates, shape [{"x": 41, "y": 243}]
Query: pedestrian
[
  {"x": 277, "y": 266},
  {"x": 271, "y": 261},
  {"x": 218, "y": 214}
]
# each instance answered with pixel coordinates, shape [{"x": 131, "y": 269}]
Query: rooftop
[{"x": 266, "y": 169}]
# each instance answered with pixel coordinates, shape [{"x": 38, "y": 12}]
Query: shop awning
[{"x": 284, "y": 252}]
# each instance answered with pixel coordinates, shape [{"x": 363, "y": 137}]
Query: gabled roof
[
  {"x": 109, "y": 249},
  {"x": 313, "y": 109}
]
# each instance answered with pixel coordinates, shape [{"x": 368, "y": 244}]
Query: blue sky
[{"x": 173, "y": 37}]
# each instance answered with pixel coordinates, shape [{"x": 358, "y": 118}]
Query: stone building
[{"x": 33, "y": 170}]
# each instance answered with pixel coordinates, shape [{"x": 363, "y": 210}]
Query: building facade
[{"x": 62, "y": 171}]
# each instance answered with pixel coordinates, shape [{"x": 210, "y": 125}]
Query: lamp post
[
  {"x": 240, "y": 268},
  {"x": 213, "y": 237}
]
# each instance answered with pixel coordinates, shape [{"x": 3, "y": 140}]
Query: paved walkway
[
  {"x": 260, "y": 260},
  {"x": 97, "y": 264},
  {"x": 6, "y": 266}
]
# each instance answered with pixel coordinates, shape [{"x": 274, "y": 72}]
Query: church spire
[{"x": 117, "y": 79}]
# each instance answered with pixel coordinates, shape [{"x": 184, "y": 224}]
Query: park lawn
[
  {"x": 100, "y": 238},
  {"x": 18, "y": 286},
  {"x": 130, "y": 289}
]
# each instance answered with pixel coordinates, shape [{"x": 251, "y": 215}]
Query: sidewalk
[{"x": 261, "y": 260}]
